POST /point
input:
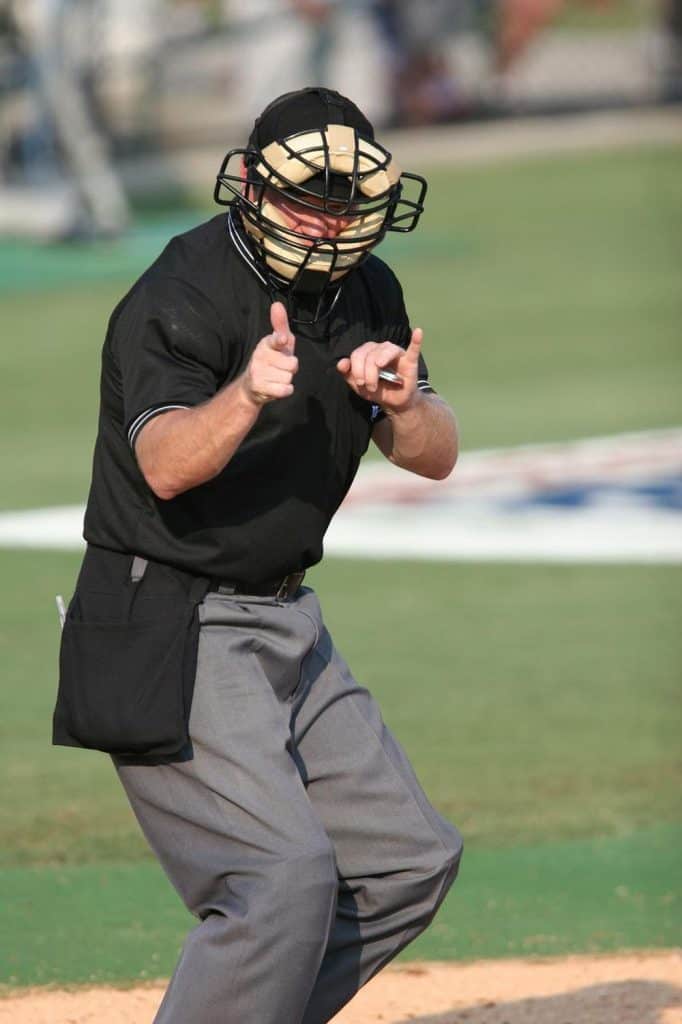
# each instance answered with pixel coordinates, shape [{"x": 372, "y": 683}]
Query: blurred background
[
  {"x": 519, "y": 623},
  {"x": 94, "y": 92}
]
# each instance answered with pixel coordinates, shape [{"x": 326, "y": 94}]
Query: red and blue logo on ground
[{"x": 600, "y": 499}]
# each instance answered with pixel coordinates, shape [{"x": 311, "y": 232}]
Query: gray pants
[{"x": 298, "y": 833}]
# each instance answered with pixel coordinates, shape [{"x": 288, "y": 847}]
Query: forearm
[
  {"x": 183, "y": 448},
  {"x": 424, "y": 437}
]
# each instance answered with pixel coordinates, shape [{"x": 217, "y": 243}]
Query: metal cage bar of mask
[
  {"x": 400, "y": 220},
  {"x": 297, "y": 190},
  {"x": 401, "y": 215}
]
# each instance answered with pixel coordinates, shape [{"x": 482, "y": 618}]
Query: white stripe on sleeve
[{"x": 145, "y": 416}]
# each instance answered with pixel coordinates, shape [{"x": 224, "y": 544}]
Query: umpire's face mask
[
  {"x": 314, "y": 205},
  {"x": 310, "y": 247}
]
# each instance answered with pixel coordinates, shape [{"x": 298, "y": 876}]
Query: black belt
[{"x": 281, "y": 588}]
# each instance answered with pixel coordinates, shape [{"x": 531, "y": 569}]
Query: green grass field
[{"x": 540, "y": 704}]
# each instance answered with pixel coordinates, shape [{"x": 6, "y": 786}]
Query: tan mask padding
[
  {"x": 360, "y": 227},
  {"x": 373, "y": 179},
  {"x": 278, "y": 250}
]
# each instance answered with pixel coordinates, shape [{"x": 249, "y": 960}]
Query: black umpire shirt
[{"x": 188, "y": 327}]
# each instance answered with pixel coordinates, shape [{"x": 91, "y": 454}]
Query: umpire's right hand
[{"x": 273, "y": 364}]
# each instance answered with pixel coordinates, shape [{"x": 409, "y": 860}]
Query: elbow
[
  {"x": 443, "y": 470},
  {"x": 166, "y": 494},
  {"x": 161, "y": 488},
  {"x": 442, "y": 473},
  {"x": 166, "y": 484},
  {"x": 450, "y": 461},
  {"x": 159, "y": 481},
  {"x": 447, "y": 451},
  {"x": 162, "y": 473},
  {"x": 438, "y": 468},
  {"x": 431, "y": 471}
]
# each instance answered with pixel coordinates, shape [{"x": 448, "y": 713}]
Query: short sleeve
[{"x": 168, "y": 343}]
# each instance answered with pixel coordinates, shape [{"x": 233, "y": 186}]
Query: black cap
[{"x": 306, "y": 109}]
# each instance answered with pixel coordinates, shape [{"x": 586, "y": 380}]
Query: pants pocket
[{"x": 121, "y": 686}]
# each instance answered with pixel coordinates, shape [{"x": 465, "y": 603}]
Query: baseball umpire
[{"x": 243, "y": 376}]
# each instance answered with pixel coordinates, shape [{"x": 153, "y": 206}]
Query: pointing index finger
[{"x": 414, "y": 348}]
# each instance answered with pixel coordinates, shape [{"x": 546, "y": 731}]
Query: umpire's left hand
[{"x": 361, "y": 371}]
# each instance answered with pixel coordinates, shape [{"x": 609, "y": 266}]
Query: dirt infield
[{"x": 634, "y": 988}]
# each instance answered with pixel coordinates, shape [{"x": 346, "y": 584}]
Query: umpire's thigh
[{"x": 233, "y": 827}]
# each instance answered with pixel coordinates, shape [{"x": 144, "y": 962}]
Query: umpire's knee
[
  {"x": 450, "y": 859},
  {"x": 435, "y": 874},
  {"x": 302, "y": 890}
]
